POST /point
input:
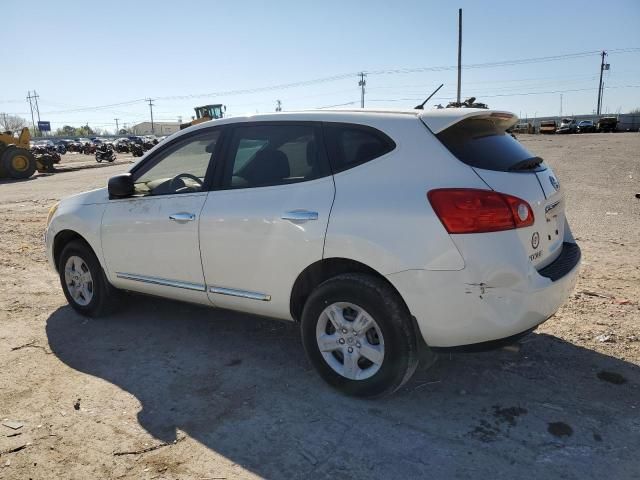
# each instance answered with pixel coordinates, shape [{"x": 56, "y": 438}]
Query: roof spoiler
[{"x": 439, "y": 120}]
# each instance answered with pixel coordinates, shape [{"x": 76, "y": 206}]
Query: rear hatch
[{"x": 480, "y": 140}]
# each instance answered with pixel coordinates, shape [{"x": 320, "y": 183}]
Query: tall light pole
[{"x": 117, "y": 129}]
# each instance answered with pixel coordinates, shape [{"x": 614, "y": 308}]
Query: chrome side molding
[
  {"x": 194, "y": 286},
  {"x": 162, "y": 281},
  {"x": 240, "y": 293}
]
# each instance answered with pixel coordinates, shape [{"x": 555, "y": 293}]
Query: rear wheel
[
  {"x": 18, "y": 162},
  {"x": 359, "y": 335},
  {"x": 83, "y": 281}
]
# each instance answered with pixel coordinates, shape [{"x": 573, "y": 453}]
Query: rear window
[
  {"x": 350, "y": 145},
  {"x": 484, "y": 143}
]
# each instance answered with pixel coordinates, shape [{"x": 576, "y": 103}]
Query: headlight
[{"x": 52, "y": 212}]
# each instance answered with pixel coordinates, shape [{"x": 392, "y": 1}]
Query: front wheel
[
  {"x": 83, "y": 281},
  {"x": 359, "y": 336}
]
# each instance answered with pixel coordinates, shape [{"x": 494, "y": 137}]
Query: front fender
[{"x": 83, "y": 220}]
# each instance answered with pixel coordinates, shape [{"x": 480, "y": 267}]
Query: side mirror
[{"x": 120, "y": 186}]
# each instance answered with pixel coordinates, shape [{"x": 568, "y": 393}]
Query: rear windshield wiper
[{"x": 526, "y": 164}]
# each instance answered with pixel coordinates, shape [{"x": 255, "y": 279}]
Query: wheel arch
[
  {"x": 62, "y": 238},
  {"x": 322, "y": 270}
]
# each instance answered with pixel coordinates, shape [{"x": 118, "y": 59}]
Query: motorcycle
[
  {"x": 89, "y": 148},
  {"x": 105, "y": 152},
  {"x": 136, "y": 149},
  {"x": 122, "y": 147},
  {"x": 46, "y": 157}
]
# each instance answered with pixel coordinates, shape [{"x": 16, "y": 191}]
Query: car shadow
[{"x": 241, "y": 386}]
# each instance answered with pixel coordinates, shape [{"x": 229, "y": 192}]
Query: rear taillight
[{"x": 468, "y": 210}]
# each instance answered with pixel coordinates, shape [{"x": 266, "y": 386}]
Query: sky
[{"x": 93, "y": 62}]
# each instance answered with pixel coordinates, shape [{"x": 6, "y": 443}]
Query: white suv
[{"x": 387, "y": 235}]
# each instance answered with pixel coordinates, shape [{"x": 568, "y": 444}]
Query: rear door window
[
  {"x": 266, "y": 155},
  {"x": 484, "y": 143},
  {"x": 351, "y": 145}
]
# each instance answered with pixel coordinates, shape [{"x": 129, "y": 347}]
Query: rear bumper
[{"x": 461, "y": 308}]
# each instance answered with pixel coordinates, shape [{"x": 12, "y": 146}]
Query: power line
[
  {"x": 395, "y": 71},
  {"x": 343, "y": 76},
  {"x": 501, "y": 94}
]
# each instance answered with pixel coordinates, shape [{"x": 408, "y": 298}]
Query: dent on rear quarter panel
[{"x": 381, "y": 215}]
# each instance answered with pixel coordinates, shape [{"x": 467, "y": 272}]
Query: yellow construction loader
[
  {"x": 16, "y": 161},
  {"x": 205, "y": 113}
]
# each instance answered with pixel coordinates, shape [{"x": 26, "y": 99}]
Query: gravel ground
[{"x": 164, "y": 390}]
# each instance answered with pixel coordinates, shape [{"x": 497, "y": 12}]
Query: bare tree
[{"x": 11, "y": 123}]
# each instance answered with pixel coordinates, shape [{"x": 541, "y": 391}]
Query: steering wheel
[{"x": 174, "y": 187}]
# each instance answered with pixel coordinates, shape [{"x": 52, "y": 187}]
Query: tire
[
  {"x": 391, "y": 339},
  {"x": 99, "y": 297},
  {"x": 18, "y": 163}
]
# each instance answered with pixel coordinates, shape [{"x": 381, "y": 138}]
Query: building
[{"x": 159, "y": 128}]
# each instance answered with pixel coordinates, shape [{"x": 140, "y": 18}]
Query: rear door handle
[
  {"x": 182, "y": 217},
  {"x": 299, "y": 216}
]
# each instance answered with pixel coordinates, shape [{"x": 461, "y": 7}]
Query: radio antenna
[{"x": 421, "y": 106}]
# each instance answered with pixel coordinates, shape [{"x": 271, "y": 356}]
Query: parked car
[
  {"x": 568, "y": 125},
  {"x": 548, "y": 127},
  {"x": 585, "y": 126},
  {"x": 386, "y": 240},
  {"x": 607, "y": 124},
  {"x": 522, "y": 128}
]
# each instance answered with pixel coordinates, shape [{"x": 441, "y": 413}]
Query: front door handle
[
  {"x": 182, "y": 217},
  {"x": 299, "y": 216}
]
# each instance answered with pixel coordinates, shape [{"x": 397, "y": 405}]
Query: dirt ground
[{"x": 164, "y": 390}]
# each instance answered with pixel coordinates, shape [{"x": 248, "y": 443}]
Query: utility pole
[
  {"x": 459, "y": 54},
  {"x": 117, "y": 129},
  {"x": 362, "y": 83},
  {"x": 150, "y": 100},
  {"x": 36, "y": 96},
  {"x": 603, "y": 67},
  {"x": 278, "y": 106},
  {"x": 560, "y": 106},
  {"x": 33, "y": 122}
]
